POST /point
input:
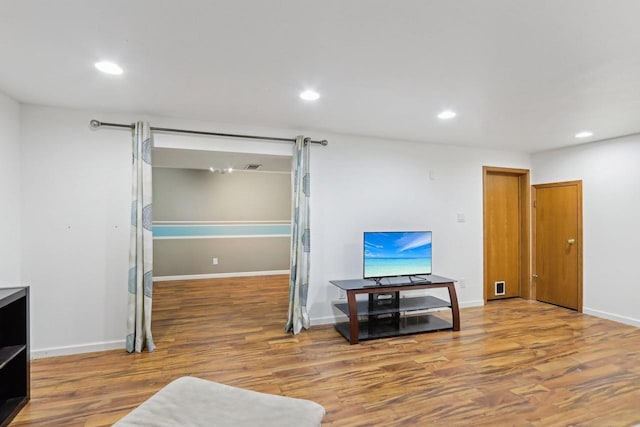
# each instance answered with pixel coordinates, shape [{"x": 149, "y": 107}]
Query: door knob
[{"x": 571, "y": 241}]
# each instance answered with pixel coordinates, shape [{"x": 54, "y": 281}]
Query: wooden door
[
  {"x": 506, "y": 232},
  {"x": 558, "y": 243}
]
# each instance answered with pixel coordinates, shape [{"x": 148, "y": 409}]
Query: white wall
[
  {"x": 76, "y": 190},
  {"x": 365, "y": 184},
  {"x": 9, "y": 192},
  {"x": 75, "y": 223},
  {"x": 610, "y": 175},
  {"x": 76, "y": 215}
]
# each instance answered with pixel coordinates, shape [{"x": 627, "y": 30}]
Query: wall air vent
[{"x": 252, "y": 167}]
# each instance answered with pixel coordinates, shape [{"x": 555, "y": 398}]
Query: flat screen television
[{"x": 396, "y": 253}]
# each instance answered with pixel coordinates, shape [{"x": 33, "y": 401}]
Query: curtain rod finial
[
  {"x": 94, "y": 124},
  {"x": 324, "y": 142}
]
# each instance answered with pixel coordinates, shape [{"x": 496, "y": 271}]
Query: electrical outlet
[
  {"x": 215, "y": 260},
  {"x": 463, "y": 283},
  {"x": 343, "y": 294}
]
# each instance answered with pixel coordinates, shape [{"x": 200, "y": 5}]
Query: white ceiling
[{"x": 521, "y": 74}]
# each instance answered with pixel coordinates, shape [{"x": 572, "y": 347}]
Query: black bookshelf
[{"x": 14, "y": 352}]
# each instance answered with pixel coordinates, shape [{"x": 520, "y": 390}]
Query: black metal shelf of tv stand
[{"x": 370, "y": 319}]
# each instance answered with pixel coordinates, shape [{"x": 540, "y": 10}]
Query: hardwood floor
[{"x": 514, "y": 362}]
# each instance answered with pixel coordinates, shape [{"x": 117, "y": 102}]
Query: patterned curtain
[
  {"x": 300, "y": 244},
  {"x": 141, "y": 244}
]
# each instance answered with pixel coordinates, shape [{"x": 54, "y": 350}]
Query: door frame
[
  {"x": 579, "y": 246},
  {"x": 524, "y": 204}
]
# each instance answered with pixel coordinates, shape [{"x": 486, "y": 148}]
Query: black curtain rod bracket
[{"x": 95, "y": 124}]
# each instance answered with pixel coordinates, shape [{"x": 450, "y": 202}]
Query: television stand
[
  {"x": 381, "y": 315},
  {"x": 412, "y": 279}
]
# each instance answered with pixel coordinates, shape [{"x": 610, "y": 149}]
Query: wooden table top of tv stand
[{"x": 395, "y": 284}]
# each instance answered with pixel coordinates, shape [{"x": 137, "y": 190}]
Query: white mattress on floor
[{"x": 190, "y": 401}]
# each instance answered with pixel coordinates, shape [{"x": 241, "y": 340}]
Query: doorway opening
[{"x": 220, "y": 214}]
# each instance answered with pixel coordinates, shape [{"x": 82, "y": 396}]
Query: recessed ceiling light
[
  {"x": 447, "y": 114},
  {"x": 309, "y": 95},
  {"x": 108, "y": 67},
  {"x": 584, "y": 134}
]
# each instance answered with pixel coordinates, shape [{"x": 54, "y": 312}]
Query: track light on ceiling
[
  {"x": 584, "y": 134},
  {"x": 310, "y": 95},
  {"x": 222, "y": 171},
  {"x": 447, "y": 114},
  {"x": 109, "y": 67}
]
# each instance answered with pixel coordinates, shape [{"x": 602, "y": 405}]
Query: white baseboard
[
  {"x": 328, "y": 320},
  {"x": 77, "y": 349},
  {"x": 219, "y": 275},
  {"x": 469, "y": 304},
  {"x": 610, "y": 316}
]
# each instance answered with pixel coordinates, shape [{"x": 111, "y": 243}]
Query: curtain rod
[{"x": 95, "y": 124}]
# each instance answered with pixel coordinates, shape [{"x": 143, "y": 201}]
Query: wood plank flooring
[{"x": 514, "y": 362}]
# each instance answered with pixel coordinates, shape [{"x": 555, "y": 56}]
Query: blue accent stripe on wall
[{"x": 221, "y": 230}]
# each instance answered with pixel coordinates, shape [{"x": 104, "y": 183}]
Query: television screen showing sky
[{"x": 397, "y": 253}]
